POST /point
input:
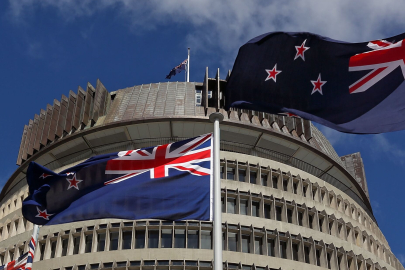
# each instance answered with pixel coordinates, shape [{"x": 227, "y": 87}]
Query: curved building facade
[{"x": 288, "y": 200}]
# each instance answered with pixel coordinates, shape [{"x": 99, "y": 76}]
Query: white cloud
[
  {"x": 389, "y": 149},
  {"x": 225, "y": 25}
]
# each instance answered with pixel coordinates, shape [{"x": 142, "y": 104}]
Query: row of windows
[
  {"x": 191, "y": 235},
  {"x": 245, "y": 203},
  {"x": 163, "y": 265},
  {"x": 256, "y": 174}
]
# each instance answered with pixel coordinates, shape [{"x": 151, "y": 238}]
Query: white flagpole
[
  {"x": 188, "y": 65},
  {"x": 217, "y": 118},
  {"x": 31, "y": 250}
]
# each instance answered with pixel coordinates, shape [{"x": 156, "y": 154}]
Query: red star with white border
[
  {"x": 73, "y": 182},
  {"x": 301, "y": 50},
  {"x": 272, "y": 73},
  {"x": 318, "y": 85},
  {"x": 44, "y": 175},
  {"x": 43, "y": 214}
]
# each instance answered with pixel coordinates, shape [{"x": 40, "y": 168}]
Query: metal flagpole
[
  {"x": 216, "y": 118},
  {"x": 32, "y": 247},
  {"x": 188, "y": 65}
]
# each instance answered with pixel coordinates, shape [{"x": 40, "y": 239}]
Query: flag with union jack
[
  {"x": 172, "y": 181},
  {"x": 350, "y": 87},
  {"x": 25, "y": 261}
]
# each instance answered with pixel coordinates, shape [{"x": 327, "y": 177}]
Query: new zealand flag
[
  {"x": 350, "y": 87},
  {"x": 171, "y": 182}
]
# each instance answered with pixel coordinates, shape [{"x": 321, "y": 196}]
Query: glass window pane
[
  {"x": 223, "y": 204},
  {"x": 258, "y": 245},
  {"x": 206, "y": 240},
  {"x": 231, "y": 203},
  {"x": 101, "y": 242},
  {"x": 139, "y": 239},
  {"x": 289, "y": 215},
  {"x": 222, "y": 172},
  {"x": 243, "y": 207},
  {"x": 253, "y": 177},
  {"x": 242, "y": 175},
  {"x": 53, "y": 249},
  {"x": 114, "y": 240},
  {"x": 255, "y": 208},
  {"x": 267, "y": 209},
  {"x": 295, "y": 251},
  {"x": 153, "y": 239},
  {"x": 283, "y": 249},
  {"x": 263, "y": 180},
  {"x": 230, "y": 173},
  {"x": 246, "y": 243},
  {"x": 76, "y": 243},
  {"x": 126, "y": 239},
  {"x": 285, "y": 184},
  {"x": 270, "y": 247},
  {"x": 300, "y": 218},
  {"x": 275, "y": 180},
  {"x": 307, "y": 252},
  {"x": 232, "y": 241},
  {"x": 42, "y": 250},
  {"x": 89, "y": 242},
  {"x": 278, "y": 213},
  {"x": 192, "y": 239},
  {"x": 65, "y": 242},
  {"x": 179, "y": 238},
  {"x": 167, "y": 238}
]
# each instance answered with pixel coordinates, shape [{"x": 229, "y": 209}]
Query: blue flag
[
  {"x": 350, "y": 87},
  {"x": 177, "y": 69},
  {"x": 171, "y": 182}
]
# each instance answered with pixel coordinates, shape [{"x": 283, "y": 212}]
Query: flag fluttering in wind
[
  {"x": 350, "y": 87},
  {"x": 25, "y": 261},
  {"x": 177, "y": 69},
  {"x": 171, "y": 182}
]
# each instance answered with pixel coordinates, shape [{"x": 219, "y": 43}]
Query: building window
[
  {"x": 258, "y": 245},
  {"x": 300, "y": 218},
  {"x": 245, "y": 243},
  {"x": 198, "y": 97},
  {"x": 295, "y": 251},
  {"x": 307, "y": 252},
  {"x": 304, "y": 191},
  {"x": 140, "y": 239},
  {"x": 270, "y": 247},
  {"x": 243, "y": 206},
  {"x": 278, "y": 212},
  {"x": 167, "y": 238},
  {"x": 206, "y": 239},
  {"x": 255, "y": 208},
  {"x": 242, "y": 175},
  {"x": 179, "y": 238},
  {"x": 289, "y": 215},
  {"x": 275, "y": 181},
  {"x": 53, "y": 249},
  {"x": 100, "y": 241},
  {"x": 318, "y": 257},
  {"x": 65, "y": 242},
  {"x": 311, "y": 220},
  {"x": 230, "y": 173},
  {"x": 88, "y": 242},
  {"x": 222, "y": 172},
  {"x": 192, "y": 239},
  {"x": 285, "y": 185},
  {"x": 11, "y": 252},
  {"x": 267, "y": 209},
  {"x": 253, "y": 176},
  {"x": 76, "y": 244},
  {"x": 320, "y": 224},
  {"x": 114, "y": 240},
  {"x": 42, "y": 250},
  {"x": 283, "y": 249},
  {"x": 126, "y": 239},
  {"x": 263, "y": 180},
  {"x": 153, "y": 239},
  {"x": 232, "y": 241},
  {"x": 329, "y": 258},
  {"x": 223, "y": 204},
  {"x": 231, "y": 205}
]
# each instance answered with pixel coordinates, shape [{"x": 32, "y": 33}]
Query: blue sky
[{"x": 48, "y": 47}]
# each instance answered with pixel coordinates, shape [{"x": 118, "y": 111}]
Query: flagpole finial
[{"x": 216, "y": 116}]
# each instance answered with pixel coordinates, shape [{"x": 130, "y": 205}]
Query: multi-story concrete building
[{"x": 288, "y": 200}]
